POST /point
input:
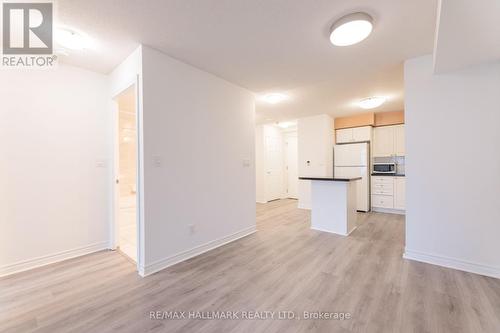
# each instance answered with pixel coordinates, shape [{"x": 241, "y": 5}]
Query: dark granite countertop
[
  {"x": 331, "y": 179},
  {"x": 389, "y": 174}
]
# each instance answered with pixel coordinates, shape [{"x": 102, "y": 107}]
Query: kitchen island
[{"x": 333, "y": 204}]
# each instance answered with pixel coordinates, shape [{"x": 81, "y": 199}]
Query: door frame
[
  {"x": 286, "y": 136},
  {"x": 115, "y": 196}
]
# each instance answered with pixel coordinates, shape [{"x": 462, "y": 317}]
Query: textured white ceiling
[{"x": 265, "y": 45}]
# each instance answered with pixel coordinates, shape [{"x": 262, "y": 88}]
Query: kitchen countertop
[
  {"x": 331, "y": 179},
  {"x": 389, "y": 174}
]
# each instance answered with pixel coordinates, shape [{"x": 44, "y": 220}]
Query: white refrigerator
[{"x": 353, "y": 160}]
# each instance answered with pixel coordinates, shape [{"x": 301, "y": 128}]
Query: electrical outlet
[{"x": 192, "y": 229}]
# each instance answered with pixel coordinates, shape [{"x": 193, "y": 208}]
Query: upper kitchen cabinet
[
  {"x": 389, "y": 141},
  {"x": 399, "y": 139},
  {"x": 383, "y": 141},
  {"x": 343, "y": 135},
  {"x": 361, "y": 134},
  {"x": 355, "y": 134}
]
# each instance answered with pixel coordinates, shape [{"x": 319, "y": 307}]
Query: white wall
[
  {"x": 127, "y": 73},
  {"x": 315, "y": 144},
  {"x": 453, "y": 166},
  {"x": 198, "y": 130},
  {"x": 54, "y": 199}
]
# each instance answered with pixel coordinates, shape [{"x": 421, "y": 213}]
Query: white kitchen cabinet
[
  {"x": 383, "y": 192},
  {"x": 389, "y": 141},
  {"x": 388, "y": 193},
  {"x": 382, "y": 201},
  {"x": 360, "y": 134},
  {"x": 356, "y": 134},
  {"x": 344, "y": 135},
  {"x": 399, "y": 140},
  {"x": 383, "y": 141},
  {"x": 399, "y": 192}
]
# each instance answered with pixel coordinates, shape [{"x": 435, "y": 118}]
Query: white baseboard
[
  {"x": 335, "y": 233},
  {"x": 388, "y": 211},
  {"x": 329, "y": 231},
  {"x": 454, "y": 263},
  {"x": 172, "y": 260},
  {"x": 51, "y": 258}
]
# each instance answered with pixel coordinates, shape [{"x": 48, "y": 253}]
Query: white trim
[
  {"x": 328, "y": 231},
  {"x": 52, "y": 258},
  {"x": 114, "y": 230},
  {"x": 182, "y": 256},
  {"x": 454, "y": 263},
  {"x": 388, "y": 211},
  {"x": 335, "y": 233}
]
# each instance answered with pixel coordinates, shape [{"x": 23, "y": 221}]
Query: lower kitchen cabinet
[
  {"x": 382, "y": 201},
  {"x": 388, "y": 193},
  {"x": 399, "y": 192}
]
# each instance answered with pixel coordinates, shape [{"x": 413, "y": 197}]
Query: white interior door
[
  {"x": 292, "y": 167},
  {"x": 126, "y": 173},
  {"x": 274, "y": 167}
]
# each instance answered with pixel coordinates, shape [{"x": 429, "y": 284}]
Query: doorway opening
[
  {"x": 126, "y": 174},
  {"x": 276, "y": 162}
]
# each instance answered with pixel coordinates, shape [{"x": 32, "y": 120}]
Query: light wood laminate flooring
[{"x": 285, "y": 266}]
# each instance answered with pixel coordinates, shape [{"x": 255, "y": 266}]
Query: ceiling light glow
[
  {"x": 372, "y": 102},
  {"x": 274, "y": 98},
  {"x": 351, "y": 29},
  {"x": 71, "y": 40}
]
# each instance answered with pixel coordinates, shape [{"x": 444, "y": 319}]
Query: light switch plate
[{"x": 246, "y": 162}]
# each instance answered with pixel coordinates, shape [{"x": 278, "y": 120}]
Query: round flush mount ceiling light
[
  {"x": 351, "y": 29},
  {"x": 371, "y": 102},
  {"x": 274, "y": 98},
  {"x": 72, "y": 40}
]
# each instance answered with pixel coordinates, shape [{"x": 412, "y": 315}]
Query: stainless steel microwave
[{"x": 384, "y": 167}]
